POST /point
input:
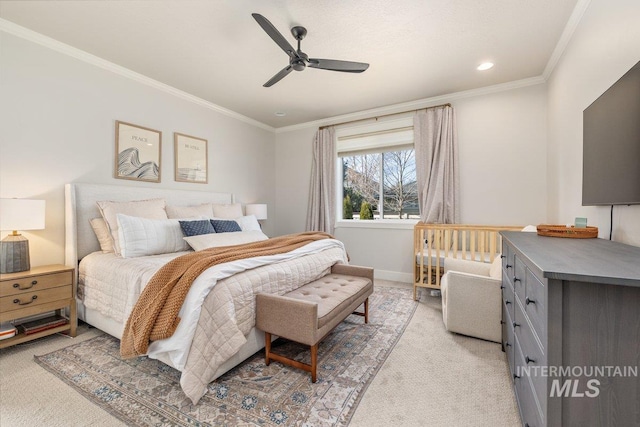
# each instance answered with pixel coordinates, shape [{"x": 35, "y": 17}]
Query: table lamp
[
  {"x": 18, "y": 214},
  {"x": 259, "y": 210}
]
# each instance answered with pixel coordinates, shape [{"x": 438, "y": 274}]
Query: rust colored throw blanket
[{"x": 155, "y": 314}]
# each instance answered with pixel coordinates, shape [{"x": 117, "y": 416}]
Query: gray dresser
[{"x": 571, "y": 329}]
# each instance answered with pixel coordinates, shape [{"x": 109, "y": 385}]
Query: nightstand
[{"x": 37, "y": 291}]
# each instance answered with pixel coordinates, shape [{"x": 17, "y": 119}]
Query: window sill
[{"x": 404, "y": 224}]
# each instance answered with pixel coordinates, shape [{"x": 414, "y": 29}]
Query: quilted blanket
[{"x": 155, "y": 315}]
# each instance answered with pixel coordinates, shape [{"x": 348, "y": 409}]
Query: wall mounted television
[{"x": 611, "y": 144}]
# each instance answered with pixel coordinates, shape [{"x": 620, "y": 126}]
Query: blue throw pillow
[
  {"x": 225, "y": 226},
  {"x": 196, "y": 228}
]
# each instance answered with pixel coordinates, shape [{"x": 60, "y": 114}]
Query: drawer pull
[
  {"x": 17, "y": 300},
  {"x": 506, "y": 344},
  {"x": 515, "y": 376},
  {"x": 529, "y": 360},
  {"x": 529, "y": 301},
  {"x": 507, "y": 266},
  {"x": 17, "y": 285},
  {"x": 515, "y": 324},
  {"x": 503, "y": 256},
  {"x": 507, "y": 302},
  {"x": 502, "y": 287},
  {"x": 515, "y": 280}
]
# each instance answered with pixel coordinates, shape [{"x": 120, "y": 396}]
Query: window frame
[{"x": 390, "y": 124}]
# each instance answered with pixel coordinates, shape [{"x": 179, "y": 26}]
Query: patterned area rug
[{"x": 145, "y": 392}]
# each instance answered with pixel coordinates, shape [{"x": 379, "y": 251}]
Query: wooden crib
[{"x": 432, "y": 243}]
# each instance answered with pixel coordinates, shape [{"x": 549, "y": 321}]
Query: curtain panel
[
  {"x": 437, "y": 170},
  {"x": 321, "y": 211}
]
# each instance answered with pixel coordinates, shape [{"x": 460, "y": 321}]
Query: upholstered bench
[{"x": 307, "y": 314}]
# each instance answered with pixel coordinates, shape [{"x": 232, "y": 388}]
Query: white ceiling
[{"x": 216, "y": 51}]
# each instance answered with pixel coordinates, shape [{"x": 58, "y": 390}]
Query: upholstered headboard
[{"x": 80, "y": 207}]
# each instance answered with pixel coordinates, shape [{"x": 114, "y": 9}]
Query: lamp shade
[
  {"x": 259, "y": 210},
  {"x": 21, "y": 214}
]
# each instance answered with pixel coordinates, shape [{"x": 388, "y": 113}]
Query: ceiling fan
[{"x": 298, "y": 60}]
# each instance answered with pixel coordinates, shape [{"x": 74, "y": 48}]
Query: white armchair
[{"x": 472, "y": 298}]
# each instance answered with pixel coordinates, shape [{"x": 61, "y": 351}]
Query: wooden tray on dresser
[{"x": 552, "y": 230}]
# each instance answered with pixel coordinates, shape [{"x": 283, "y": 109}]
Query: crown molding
[
  {"x": 32, "y": 36},
  {"x": 416, "y": 105},
  {"x": 575, "y": 18}
]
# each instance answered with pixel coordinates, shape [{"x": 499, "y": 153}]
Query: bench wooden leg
[
  {"x": 366, "y": 310},
  {"x": 267, "y": 348},
  {"x": 314, "y": 362}
]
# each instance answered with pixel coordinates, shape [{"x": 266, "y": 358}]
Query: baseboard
[{"x": 395, "y": 276}]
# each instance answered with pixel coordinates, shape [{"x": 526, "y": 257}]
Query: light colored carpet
[{"x": 432, "y": 378}]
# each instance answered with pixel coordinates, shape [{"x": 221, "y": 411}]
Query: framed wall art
[
  {"x": 190, "y": 158},
  {"x": 137, "y": 152}
]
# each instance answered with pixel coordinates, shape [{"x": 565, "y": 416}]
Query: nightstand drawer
[
  {"x": 29, "y": 299},
  {"x": 35, "y": 283}
]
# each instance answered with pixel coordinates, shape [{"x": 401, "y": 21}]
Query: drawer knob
[
  {"x": 17, "y": 285},
  {"x": 529, "y": 360},
  {"x": 17, "y": 300},
  {"x": 516, "y": 280},
  {"x": 515, "y": 324},
  {"x": 529, "y": 301}
]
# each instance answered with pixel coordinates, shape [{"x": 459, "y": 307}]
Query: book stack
[
  {"x": 7, "y": 330},
  {"x": 43, "y": 324}
]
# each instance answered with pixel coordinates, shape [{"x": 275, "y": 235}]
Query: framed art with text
[
  {"x": 190, "y": 158},
  {"x": 137, "y": 152}
]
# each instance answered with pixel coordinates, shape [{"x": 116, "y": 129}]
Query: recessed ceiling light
[
  {"x": 280, "y": 113},
  {"x": 485, "y": 66}
]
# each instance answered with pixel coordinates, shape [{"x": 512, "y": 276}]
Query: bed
[{"x": 223, "y": 332}]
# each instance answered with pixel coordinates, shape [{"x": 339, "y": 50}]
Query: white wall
[
  {"x": 502, "y": 139},
  {"x": 605, "y": 45},
  {"x": 57, "y": 126}
]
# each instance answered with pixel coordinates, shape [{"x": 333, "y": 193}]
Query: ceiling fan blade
[
  {"x": 335, "y": 65},
  {"x": 281, "y": 74},
  {"x": 268, "y": 27}
]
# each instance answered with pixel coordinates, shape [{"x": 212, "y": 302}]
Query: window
[{"x": 378, "y": 172}]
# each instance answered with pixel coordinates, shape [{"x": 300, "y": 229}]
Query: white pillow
[
  {"x": 102, "y": 233},
  {"x": 216, "y": 240},
  {"x": 247, "y": 223},
  {"x": 151, "y": 209},
  {"x": 141, "y": 236},
  {"x": 204, "y": 210},
  {"x": 230, "y": 211}
]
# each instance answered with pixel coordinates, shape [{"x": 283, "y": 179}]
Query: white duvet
[{"x": 219, "y": 310}]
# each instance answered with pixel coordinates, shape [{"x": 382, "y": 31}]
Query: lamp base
[{"x": 14, "y": 254}]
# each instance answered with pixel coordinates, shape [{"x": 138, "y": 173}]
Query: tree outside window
[{"x": 385, "y": 180}]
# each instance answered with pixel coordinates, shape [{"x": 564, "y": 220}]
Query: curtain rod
[{"x": 384, "y": 115}]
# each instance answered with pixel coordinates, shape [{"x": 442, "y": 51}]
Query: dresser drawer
[
  {"x": 30, "y": 299},
  {"x": 507, "y": 264},
  {"x": 519, "y": 274},
  {"x": 535, "y": 306},
  {"x": 507, "y": 296},
  {"x": 35, "y": 283},
  {"x": 535, "y": 360},
  {"x": 528, "y": 403},
  {"x": 507, "y": 337}
]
